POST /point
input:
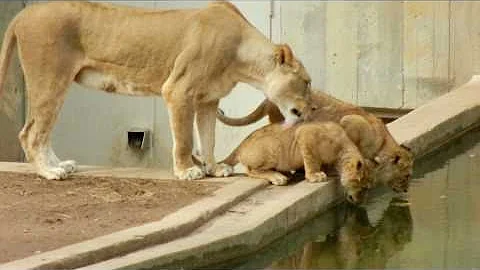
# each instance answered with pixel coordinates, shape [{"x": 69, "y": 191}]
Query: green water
[{"x": 437, "y": 228}]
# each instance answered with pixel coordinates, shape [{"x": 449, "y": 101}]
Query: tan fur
[
  {"x": 274, "y": 149},
  {"x": 191, "y": 57},
  {"x": 368, "y": 132}
]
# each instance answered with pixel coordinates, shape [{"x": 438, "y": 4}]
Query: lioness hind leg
[
  {"x": 46, "y": 78},
  {"x": 69, "y": 166},
  {"x": 275, "y": 178},
  {"x": 34, "y": 140}
]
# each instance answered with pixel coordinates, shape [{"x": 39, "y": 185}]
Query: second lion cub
[{"x": 274, "y": 149}]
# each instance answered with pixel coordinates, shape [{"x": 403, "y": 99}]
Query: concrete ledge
[
  {"x": 246, "y": 228},
  {"x": 440, "y": 120},
  {"x": 167, "y": 229}
]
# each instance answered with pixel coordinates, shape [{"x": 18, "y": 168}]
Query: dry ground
[{"x": 37, "y": 215}]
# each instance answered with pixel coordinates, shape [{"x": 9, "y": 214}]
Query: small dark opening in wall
[{"x": 138, "y": 139}]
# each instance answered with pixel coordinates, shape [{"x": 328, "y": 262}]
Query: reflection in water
[
  {"x": 443, "y": 208},
  {"x": 357, "y": 243}
]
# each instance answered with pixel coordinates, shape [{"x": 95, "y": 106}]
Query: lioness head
[
  {"x": 288, "y": 85},
  {"x": 395, "y": 165},
  {"x": 354, "y": 179}
]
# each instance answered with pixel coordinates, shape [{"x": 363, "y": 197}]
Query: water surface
[{"x": 438, "y": 227}]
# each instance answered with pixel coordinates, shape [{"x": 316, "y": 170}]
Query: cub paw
[
  {"x": 278, "y": 179},
  {"x": 191, "y": 173},
  {"x": 317, "y": 177},
  {"x": 223, "y": 170}
]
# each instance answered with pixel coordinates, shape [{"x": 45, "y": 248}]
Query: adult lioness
[
  {"x": 191, "y": 57},
  {"x": 394, "y": 162},
  {"x": 273, "y": 149}
]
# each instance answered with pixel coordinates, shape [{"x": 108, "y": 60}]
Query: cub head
[
  {"x": 288, "y": 85},
  {"x": 355, "y": 180},
  {"x": 394, "y": 167}
]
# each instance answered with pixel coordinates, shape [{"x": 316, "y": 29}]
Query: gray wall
[{"x": 393, "y": 54}]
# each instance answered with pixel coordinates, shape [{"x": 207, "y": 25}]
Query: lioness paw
[
  {"x": 278, "y": 179},
  {"x": 55, "y": 173},
  {"x": 317, "y": 177},
  {"x": 223, "y": 170},
  {"x": 191, "y": 173},
  {"x": 69, "y": 166}
]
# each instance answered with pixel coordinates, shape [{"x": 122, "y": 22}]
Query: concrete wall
[
  {"x": 11, "y": 101},
  {"x": 394, "y": 54}
]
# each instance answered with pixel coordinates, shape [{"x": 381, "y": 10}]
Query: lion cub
[
  {"x": 393, "y": 162},
  {"x": 273, "y": 149}
]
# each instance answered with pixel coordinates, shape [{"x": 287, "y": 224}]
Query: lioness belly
[{"x": 92, "y": 78}]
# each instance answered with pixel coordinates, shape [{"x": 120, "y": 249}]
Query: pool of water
[{"x": 437, "y": 227}]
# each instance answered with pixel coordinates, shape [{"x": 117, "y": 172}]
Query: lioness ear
[{"x": 284, "y": 55}]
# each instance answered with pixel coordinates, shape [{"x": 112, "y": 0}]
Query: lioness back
[{"x": 87, "y": 28}]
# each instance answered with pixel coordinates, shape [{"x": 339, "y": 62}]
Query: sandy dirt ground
[{"x": 38, "y": 215}]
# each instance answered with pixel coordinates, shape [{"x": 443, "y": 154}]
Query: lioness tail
[
  {"x": 257, "y": 114},
  {"x": 9, "y": 42}
]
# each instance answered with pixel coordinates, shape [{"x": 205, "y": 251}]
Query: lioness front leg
[
  {"x": 273, "y": 177},
  {"x": 181, "y": 116},
  {"x": 205, "y": 121}
]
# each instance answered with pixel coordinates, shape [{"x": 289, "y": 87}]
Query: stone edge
[{"x": 175, "y": 225}]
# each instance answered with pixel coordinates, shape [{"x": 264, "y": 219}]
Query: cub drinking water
[{"x": 274, "y": 149}]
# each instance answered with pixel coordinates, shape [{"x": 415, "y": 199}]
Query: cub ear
[
  {"x": 284, "y": 55},
  {"x": 396, "y": 159},
  {"x": 359, "y": 165},
  {"x": 406, "y": 148}
]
